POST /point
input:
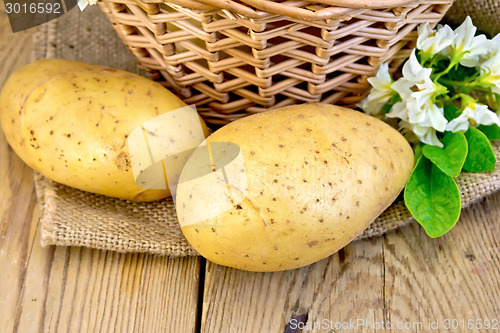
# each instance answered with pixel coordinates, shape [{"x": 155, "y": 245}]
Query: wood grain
[
  {"x": 63, "y": 289},
  {"x": 405, "y": 278},
  {"x": 17, "y": 194},
  {"x": 82, "y": 290}
]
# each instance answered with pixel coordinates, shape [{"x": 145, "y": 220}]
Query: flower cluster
[
  {"x": 450, "y": 83},
  {"x": 447, "y": 101}
]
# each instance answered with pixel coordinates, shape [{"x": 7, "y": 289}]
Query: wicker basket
[{"x": 236, "y": 57}]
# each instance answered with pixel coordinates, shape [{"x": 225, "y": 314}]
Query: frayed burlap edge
[{"x": 71, "y": 217}]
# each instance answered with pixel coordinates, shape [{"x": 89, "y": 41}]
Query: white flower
[
  {"x": 381, "y": 92},
  {"x": 423, "y": 91},
  {"x": 417, "y": 110},
  {"x": 416, "y": 82},
  {"x": 490, "y": 69},
  {"x": 413, "y": 70},
  {"x": 426, "y": 115},
  {"x": 399, "y": 110},
  {"x": 496, "y": 40},
  {"x": 423, "y": 134},
  {"x": 494, "y": 45},
  {"x": 474, "y": 115},
  {"x": 470, "y": 48},
  {"x": 431, "y": 41}
]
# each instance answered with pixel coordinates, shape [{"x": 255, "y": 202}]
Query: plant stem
[
  {"x": 449, "y": 99},
  {"x": 450, "y": 66},
  {"x": 470, "y": 85}
]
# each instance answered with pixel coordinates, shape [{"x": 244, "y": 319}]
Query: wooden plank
[
  {"x": 76, "y": 289},
  {"x": 404, "y": 278},
  {"x": 17, "y": 194},
  {"x": 345, "y": 285},
  {"x": 454, "y": 277}
]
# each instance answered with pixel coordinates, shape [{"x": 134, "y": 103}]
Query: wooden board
[
  {"x": 405, "y": 278},
  {"x": 61, "y": 289}
]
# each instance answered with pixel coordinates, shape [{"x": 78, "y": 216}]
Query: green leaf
[
  {"x": 492, "y": 132},
  {"x": 450, "y": 159},
  {"x": 451, "y": 112},
  {"x": 418, "y": 150},
  {"x": 480, "y": 156},
  {"x": 433, "y": 198},
  {"x": 388, "y": 106}
]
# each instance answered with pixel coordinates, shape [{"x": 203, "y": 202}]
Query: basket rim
[
  {"x": 337, "y": 8},
  {"x": 358, "y": 4}
]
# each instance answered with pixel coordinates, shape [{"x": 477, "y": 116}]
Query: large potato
[
  {"x": 70, "y": 121},
  {"x": 305, "y": 181}
]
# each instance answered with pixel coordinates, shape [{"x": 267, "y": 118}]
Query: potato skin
[
  {"x": 70, "y": 121},
  {"x": 317, "y": 175}
]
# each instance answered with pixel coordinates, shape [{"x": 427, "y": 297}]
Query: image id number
[
  {"x": 454, "y": 324},
  {"x": 33, "y": 8}
]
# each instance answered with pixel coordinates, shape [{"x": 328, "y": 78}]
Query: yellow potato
[
  {"x": 70, "y": 121},
  {"x": 291, "y": 186}
]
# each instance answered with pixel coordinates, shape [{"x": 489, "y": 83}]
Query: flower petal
[
  {"x": 399, "y": 110},
  {"x": 424, "y": 134},
  {"x": 461, "y": 123},
  {"x": 483, "y": 116},
  {"x": 431, "y": 41},
  {"x": 470, "y": 47}
]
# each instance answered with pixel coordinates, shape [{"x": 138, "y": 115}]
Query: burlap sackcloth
[
  {"x": 75, "y": 218},
  {"x": 485, "y": 14}
]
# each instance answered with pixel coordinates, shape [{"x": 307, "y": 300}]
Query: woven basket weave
[{"x": 233, "y": 58}]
